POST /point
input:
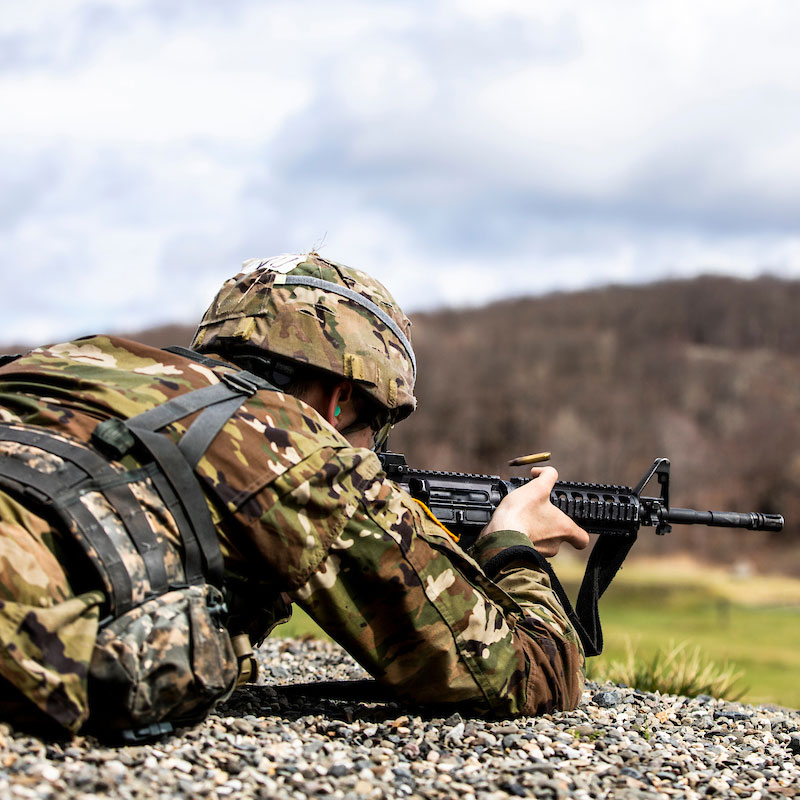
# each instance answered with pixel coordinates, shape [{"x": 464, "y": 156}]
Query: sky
[{"x": 459, "y": 150}]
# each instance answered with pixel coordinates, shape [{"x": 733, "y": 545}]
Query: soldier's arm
[{"x": 420, "y": 615}]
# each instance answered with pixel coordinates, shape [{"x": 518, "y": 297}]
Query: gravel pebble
[{"x": 620, "y": 743}]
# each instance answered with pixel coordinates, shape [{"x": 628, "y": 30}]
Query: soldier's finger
[
  {"x": 578, "y": 538},
  {"x": 545, "y": 474}
]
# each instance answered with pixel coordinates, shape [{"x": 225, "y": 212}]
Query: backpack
[{"x": 163, "y": 656}]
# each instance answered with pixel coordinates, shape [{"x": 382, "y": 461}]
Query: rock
[
  {"x": 620, "y": 743},
  {"x": 607, "y": 699}
]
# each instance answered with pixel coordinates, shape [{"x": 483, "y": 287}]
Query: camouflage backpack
[{"x": 163, "y": 656}]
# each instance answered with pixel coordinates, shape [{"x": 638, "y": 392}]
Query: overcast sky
[{"x": 461, "y": 151}]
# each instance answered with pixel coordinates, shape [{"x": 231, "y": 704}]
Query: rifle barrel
[{"x": 752, "y": 520}]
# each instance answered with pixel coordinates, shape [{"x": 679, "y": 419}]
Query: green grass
[
  {"x": 675, "y": 669},
  {"x": 747, "y": 625},
  {"x": 299, "y": 626},
  {"x": 761, "y": 643}
]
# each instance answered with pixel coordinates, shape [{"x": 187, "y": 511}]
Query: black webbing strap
[
  {"x": 200, "y": 358},
  {"x": 149, "y": 548},
  {"x": 181, "y": 406},
  {"x": 204, "y": 430},
  {"x": 85, "y": 471},
  {"x": 219, "y": 401},
  {"x": 183, "y": 482},
  {"x": 172, "y": 473},
  {"x": 193, "y": 568},
  {"x": 43, "y": 488},
  {"x": 112, "y": 485},
  {"x": 117, "y": 580},
  {"x": 604, "y": 562},
  {"x": 122, "y": 500},
  {"x": 217, "y": 404}
]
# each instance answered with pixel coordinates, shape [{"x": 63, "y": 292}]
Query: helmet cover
[{"x": 308, "y": 309}]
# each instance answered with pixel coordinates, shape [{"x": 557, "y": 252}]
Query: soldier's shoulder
[
  {"x": 91, "y": 355},
  {"x": 94, "y": 350}
]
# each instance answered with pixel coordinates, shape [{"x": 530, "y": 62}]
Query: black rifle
[{"x": 464, "y": 503}]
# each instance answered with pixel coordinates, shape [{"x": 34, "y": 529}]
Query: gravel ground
[{"x": 619, "y": 744}]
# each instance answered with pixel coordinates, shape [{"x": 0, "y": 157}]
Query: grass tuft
[{"x": 674, "y": 670}]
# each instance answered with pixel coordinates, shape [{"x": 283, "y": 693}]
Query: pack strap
[
  {"x": 193, "y": 355},
  {"x": 182, "y": 406},
  {"x": 180, "y": 476},
  {"x": 198, "y": 438},
  {"x": 219, "y": 401},
  {"x": 171, "y": 469},
  {"x": 216, "y": 403},
  {"x": 85, "y": 471},
  {"x": 44, "y": 489}
]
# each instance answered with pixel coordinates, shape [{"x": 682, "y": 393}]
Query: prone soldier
[{"x": 159, "y": 509}]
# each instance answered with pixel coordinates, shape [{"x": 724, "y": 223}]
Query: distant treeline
[{"x": 703, "y": 371}]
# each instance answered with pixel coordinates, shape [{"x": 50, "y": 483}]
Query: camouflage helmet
[{"x": 310, "y": 310}]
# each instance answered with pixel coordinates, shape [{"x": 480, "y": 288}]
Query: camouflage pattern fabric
[
  {"x": 299, "y": 512},
  {"x": 141, "y": 662},
  {"x": 306, "y": 323}
]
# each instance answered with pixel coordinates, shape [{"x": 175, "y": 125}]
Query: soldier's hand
[{"x": 528, "y": 509}]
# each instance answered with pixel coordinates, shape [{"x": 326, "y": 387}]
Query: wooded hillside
[{"x": 705, "y": 372}]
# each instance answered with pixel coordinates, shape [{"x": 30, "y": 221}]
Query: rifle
[{"x": 464, "y": 503}]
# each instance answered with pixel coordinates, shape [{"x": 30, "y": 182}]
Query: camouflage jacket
[{"x": 300, "y": 515}]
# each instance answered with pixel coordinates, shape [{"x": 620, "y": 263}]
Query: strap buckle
[
  {"x": 240, "y": 382},
  {"x": 244, "y": 382},
  {"x": 113, "y": 438}
]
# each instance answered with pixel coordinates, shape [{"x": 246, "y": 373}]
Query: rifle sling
[{"x": 604, "y": 562}]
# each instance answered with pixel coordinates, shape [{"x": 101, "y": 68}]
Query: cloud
[{"x": 462, "y": 151}]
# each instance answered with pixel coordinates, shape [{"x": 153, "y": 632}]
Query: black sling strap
[{"x": 604, "y": 562}]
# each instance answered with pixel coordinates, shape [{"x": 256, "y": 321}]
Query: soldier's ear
[{"x": 338, "y": 400}]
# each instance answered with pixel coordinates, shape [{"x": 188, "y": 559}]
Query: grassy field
[{"x": 749, "y": 622}]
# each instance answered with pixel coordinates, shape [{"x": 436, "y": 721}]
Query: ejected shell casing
[{"x": 534, "y": 458}]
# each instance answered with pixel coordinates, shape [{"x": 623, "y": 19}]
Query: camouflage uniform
[{"x": 301, "y": 516}]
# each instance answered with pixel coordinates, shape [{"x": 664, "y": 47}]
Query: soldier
[{"x": 137, "y": 485}]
